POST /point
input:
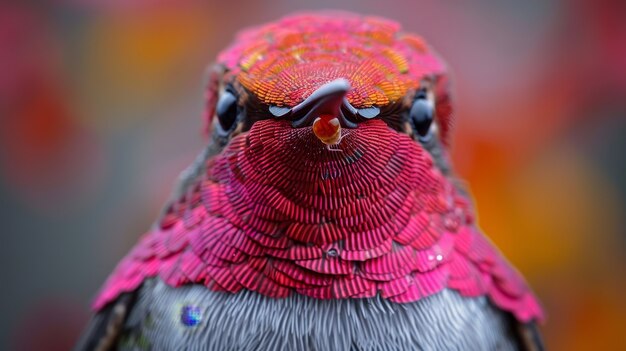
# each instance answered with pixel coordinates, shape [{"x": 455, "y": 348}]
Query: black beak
[{"x": 327, "y": 99}]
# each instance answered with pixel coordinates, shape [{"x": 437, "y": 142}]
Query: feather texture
[
  {"x": 277, "y": 213},
  {"x": 250, "y": 321}
]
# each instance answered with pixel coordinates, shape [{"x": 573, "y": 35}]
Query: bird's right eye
[
  {"x": 226, "y": 110},
  {"x": 421, "y": 115}
]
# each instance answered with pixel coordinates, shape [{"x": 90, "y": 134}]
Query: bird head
[{"x": 329, "y": 74}]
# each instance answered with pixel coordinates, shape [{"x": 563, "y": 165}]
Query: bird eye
[
  {"x": 421, "y": 115},
  {"x": 226, "y": 110}
]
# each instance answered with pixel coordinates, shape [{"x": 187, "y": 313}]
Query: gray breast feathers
[{"x": 195, "y": 318}]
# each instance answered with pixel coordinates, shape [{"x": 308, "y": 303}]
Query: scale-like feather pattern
[{"x": 278, "y": 213}]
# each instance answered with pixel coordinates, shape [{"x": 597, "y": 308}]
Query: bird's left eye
[
  {"x": 421, "y": 115},
  {"x": 226, "y": 110}
]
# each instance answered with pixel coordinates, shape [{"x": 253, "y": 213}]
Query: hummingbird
[{"x": 323, "y": 213}]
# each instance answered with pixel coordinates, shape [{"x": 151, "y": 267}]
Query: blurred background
[{"x": 100, "y": 105}]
